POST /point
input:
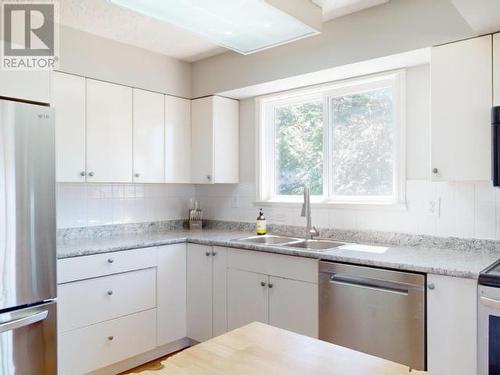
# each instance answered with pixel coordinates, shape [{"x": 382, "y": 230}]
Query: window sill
[{"x": 335, "y": 205}]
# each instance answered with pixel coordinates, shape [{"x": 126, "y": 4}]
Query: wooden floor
[{"x": 150, "y": 366}]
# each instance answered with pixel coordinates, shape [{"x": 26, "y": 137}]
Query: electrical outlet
[
  {"x": 235, "y": 201},
  {"x": 434, "y": 207}
]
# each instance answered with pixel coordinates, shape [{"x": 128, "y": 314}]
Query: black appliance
[{"x": 495, "y": 151}]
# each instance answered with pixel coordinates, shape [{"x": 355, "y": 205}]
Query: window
[{"x": 344, "y": 141}]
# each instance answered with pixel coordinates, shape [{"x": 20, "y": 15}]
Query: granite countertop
[{"x": 451, "y": 262}]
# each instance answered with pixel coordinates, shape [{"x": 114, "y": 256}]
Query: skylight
[{"x": 245, "y": 26}]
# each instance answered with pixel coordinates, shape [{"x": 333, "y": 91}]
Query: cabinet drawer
[
  {"x": 86, "y": 302},
  {"x": 89, "y": 266},
  {"x": 91, "y": 348},
  {"x": 285, "y": 266}
]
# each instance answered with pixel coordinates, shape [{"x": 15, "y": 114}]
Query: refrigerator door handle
[{"x": 23, "y": 321}]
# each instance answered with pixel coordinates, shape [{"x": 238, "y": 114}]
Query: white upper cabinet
[
  {"x": 496, "y": 68},
  {"x": 68, "y": 99},
  {"x": 215, "y": 139},
  {"x": 109, "y": 132},
  {"x": 461, "y": 101},
  {"x": 148, "y": 112},
  {"x": 177, "y": 140}
]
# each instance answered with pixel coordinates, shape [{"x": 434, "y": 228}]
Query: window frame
[{"x": 266, "y": 139}]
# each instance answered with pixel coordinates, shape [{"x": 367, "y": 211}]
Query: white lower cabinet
[
  {"x": 115, "y": 306},
  {"x": 288, "y": 301},
  {"x": 247, "y": 298},
  {"x": 99, "y": 345},
  {"x": 293, "y": 305},
  {"x": 451, "y": 325},
  {"x": 171, "y": 293},
  {"x": 206, "y": 292}
]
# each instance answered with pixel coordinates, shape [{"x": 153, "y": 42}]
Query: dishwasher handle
[{"x": 365, "y": 282}]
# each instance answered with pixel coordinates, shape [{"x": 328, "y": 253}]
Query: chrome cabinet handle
[
  {"x": 83, "y": 173},
  {"x": 23, "y": 321},
  {"x": 91, "y": 174},
  {"x": 262, "y": 283},
  {"x": 111, "y": 260},
  {"x": 110, "y": 292}
]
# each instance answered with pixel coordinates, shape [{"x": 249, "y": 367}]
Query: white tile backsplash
[
  {"x": 467, "y": 210},
  {"x": 80, "y": 205}
]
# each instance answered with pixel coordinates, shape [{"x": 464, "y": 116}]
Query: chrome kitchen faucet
[{"x": 311, "y": 231}]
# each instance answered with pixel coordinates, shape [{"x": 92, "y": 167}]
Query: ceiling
[
  {"x": 338, "y": 8},
  {"x": 101, "y": 17}
]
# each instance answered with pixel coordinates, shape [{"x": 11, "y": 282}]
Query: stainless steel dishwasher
[{"x": 375, "y": 311}]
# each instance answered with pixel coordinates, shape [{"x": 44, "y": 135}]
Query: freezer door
[
  {"x": 27, "y": 205},
  {"x": 28, "y": 341}
]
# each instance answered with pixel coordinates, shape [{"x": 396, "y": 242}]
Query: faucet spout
[{"x": 306, "y": 212}]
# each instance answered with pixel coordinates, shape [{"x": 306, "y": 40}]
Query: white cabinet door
[
  {"x": 219, "y": 282},
  {"x": 293, "y": 305},
  {"x": 171, "y": 289},
  {"x": 461, "y": 87},
  {"x": 177, "y": 140},
  {"x": 202, "y": 141},
  {"x": 496, "y": 68},
  {"x": 68, "y": 99},
  {"x": 226, "y": 140},
  {"x": 199, "y": 292},
  {"x": 148, "y": 112},
  {"x": 451, "y": 325},
  {"x": 109, "y": 132},
  {"x": 247, "y": 298}
]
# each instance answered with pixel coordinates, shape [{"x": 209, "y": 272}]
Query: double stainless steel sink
[{"x": 292, "y": 242}]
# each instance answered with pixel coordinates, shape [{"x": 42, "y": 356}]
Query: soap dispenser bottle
[{"x": 261, "y": 224}]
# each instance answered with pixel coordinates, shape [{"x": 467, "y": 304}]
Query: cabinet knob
[
  {"x": 111, "y": 260},
  {"x": 111, "y": 338},
  {"x": 431, "y": 286},
  {"x": 270, "y": 285},
  {"x": 137, "y": 175},
  {"x": 91, "y": 174},
  {"x": 207, "y": 253},
  {"x": 214, "y": 253},
  {"x": 209, "y": 177},
  {"x": 435, "y": 170},
  {"x": 83, "y": 173},
  {"x": 110, "y": 292},
  {"x": 262, "y": 283}
]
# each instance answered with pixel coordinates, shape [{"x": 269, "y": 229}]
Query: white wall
[
  {"x": 82, "y": 205},
  {"x": 96, "y": 57},
  {"x": 392, "y": 28},
  {"x": 469, "y": 210}
]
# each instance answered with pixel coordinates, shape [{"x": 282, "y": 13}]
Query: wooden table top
[{"x": 261, "y": 349}]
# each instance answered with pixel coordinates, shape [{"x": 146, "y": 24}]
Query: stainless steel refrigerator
[{"x": 28, "y": 339}]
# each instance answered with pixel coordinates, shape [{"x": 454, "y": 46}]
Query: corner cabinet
[
  {"x": 206, "y": 292},
  {"x": 496, "y": 68},
  {"x": 461, "y": 91},
  {"x": 177, "y": 140},
  {"x": 214, "y": 141},
  {"x": 451, "y": 325}
]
